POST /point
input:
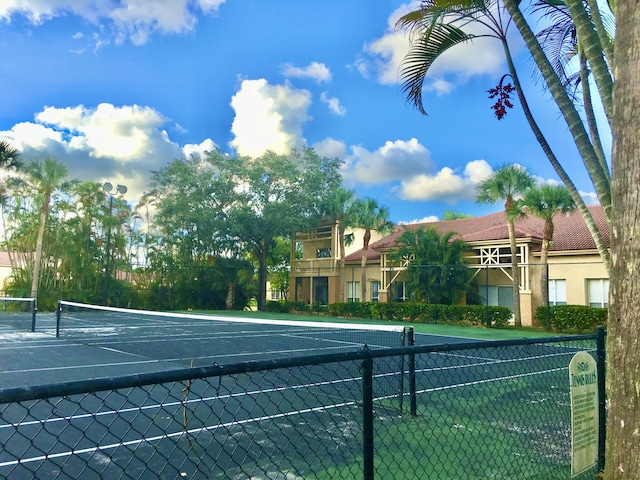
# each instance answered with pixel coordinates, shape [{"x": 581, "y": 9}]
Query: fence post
[
  {"x": 602, "y": 410},
  {"x": 367, "y": 415}
]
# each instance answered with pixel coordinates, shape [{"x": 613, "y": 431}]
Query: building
[{"x": 577, "y": 274}]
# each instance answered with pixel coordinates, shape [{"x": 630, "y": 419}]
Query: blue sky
[{"x": 117, "y": 89}]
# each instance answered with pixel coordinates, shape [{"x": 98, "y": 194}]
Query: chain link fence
[{"x": 466, "y": 411}]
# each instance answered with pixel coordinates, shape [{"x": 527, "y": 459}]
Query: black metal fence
[{"x": 463, "y": 411}]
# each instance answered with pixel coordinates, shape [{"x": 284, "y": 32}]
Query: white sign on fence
[{"x": 583, "y": 385}]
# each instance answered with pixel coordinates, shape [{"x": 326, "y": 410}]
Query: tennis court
[{"x": 263, "y": 419}]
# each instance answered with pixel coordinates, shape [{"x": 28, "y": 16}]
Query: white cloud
[
  {"x": 333, "y": 103},
  {"x": 118, "y": 144},
  {"x": 385, "y": 54},
  {"x": 315, "y": 71},
  {"x": 446, "y": 185},
  {"x": 199, "y": 150},
  {"x": 330, "y": 148},
  {"x": 268, "y": 117},
  {"x": 135, "y": 20},
  {"x": 393, "y": 161},
  {"x": 429, "y": 219}
]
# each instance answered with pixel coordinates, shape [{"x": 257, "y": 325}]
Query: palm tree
[
  {"x": 438, "y": 26},
  {"x": 546, "y": 202},
  {"x": 368, "y": 215},
  {"x": 508, "y": 183},
  {"x": 45, "y": 178},
  {"x": 9, "y": 160},
  {"x": 437, "y": 272},
  {"x": 338, "y": 210}
]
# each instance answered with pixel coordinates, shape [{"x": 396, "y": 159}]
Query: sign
[{"x": 583, "y": 387}]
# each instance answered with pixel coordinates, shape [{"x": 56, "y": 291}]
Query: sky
[{"x": 117, "y": 89}]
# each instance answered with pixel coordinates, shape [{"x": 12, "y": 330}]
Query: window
[
  {"x": 598, "y": 291},
  {"x": 400, "y": 292},
  {"x": 323, "y": 253},
  {"x": 375, "y": 291},
  {"x": 353, "y": 291},
  {"x": 557, "y": 292},
  {"x": 275, "y": 295},
  {"x": 500, "y": 295}
]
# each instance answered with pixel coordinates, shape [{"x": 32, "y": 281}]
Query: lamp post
[{"x": 108, "y": 188}]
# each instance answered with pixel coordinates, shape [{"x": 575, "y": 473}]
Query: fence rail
[{"x": 466, "y": 411}]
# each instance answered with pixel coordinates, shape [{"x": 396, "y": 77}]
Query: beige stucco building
[{"x": 577, "y": 275}]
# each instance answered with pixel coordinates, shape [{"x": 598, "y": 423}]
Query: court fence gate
[{"x": 474, "y": 410}]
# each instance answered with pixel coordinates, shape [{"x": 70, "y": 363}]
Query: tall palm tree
[
  {"x": 46, "y": 178},
  {"x": 508, "y": 183},
  {"x": 546, "y": 202},
  {"x": 9, "y": 161},
  {"x": 338, "y": 210},
  {"x": 369, "y": 216},
  {"x": 439, "y": 25}
]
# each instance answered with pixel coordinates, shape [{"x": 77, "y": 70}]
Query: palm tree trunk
[
  {"x": 573, "y": 119},
  {"x": 590, "y": 42},
  {"x": 363, "y": 266},
  {"x": 38, "y": 254},
  {"x": 577, "y": 198},
  {"x": 515, "y": 274}
]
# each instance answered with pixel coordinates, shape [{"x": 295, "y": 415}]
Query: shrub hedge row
[
  {"x": 478, "y": 315},
  {"x": 571, "y": 318}
]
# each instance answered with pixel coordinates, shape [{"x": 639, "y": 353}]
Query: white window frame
[
  {"x": 375, "y": 292},
  {"x": 598, "y": 292},
  {"x": 353, "y": 292},
  {"x": 557, "y": 291}
]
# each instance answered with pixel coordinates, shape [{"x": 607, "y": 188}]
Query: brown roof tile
[{"x": 570, "y": 234}]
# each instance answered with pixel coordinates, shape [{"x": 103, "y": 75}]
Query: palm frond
[{"x": 422, "y": 54}]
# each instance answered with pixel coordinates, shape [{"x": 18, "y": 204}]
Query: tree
[
  {"x": 339, "y": 210},
  {"x": 45, "y": 177},
  {"x": 436, "y": 271},
  {"x": 508, "y": 183},
  {"x": 369, "y": 216},
  {"x": 439, "y": 25},
  {"x": 546, "y": 202},
  {"x": 623, "y": 361},
  {"x": 237, "y": 206}
]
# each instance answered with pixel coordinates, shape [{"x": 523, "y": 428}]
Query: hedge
[
  {"x": 571, "y": 318},
  {"x": 424, "y": 313}
]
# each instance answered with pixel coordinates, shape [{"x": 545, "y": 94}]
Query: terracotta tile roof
[{"x": 570, "y": 233}]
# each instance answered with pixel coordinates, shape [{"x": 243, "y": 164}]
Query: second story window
[{"x": 323, "y": 253}]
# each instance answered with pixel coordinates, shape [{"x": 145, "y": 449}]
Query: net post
[
  {"x": 367, "y": 415},
  {"x": 34, "y": 310},
  {"x": 58, "y": 314},
  {"x": 413, "y": 407}
]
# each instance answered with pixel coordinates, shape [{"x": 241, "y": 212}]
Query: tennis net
[
  {"x": 218, "y": 337},
  {"x": 18, "y": 313}
]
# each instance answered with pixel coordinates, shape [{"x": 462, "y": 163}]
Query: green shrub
[
  {"x": 424, "y": 313},
  {"x": 571, "y": 318}
]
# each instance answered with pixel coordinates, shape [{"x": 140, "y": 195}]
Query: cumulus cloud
[
  {"x": 393, "y": 161},
  {"x": 330, "y": 148},
  {"x": 383, "y": 57},
  {"x": 135, "y": 20},
  {"x": 199, "y": 150},
  {"x": 268, "y": 117},
  {"x": 446, "y": 185},
  {"x": 118, "y": 144},
  {"x": 315, "y": 71},
  {"x": 333, "y": 103}
]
